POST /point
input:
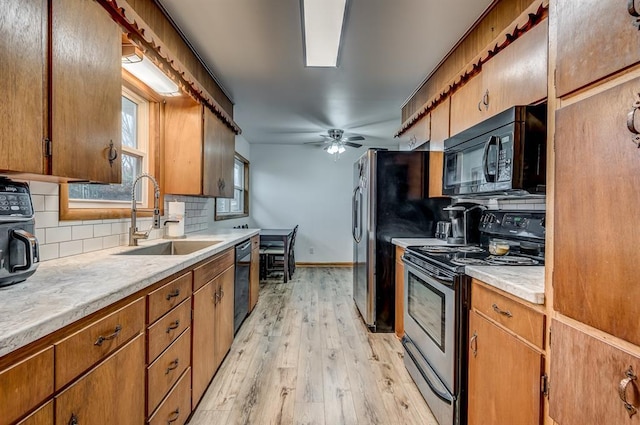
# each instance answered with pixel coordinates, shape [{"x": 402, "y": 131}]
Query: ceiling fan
[{"x": 335, "y": 142}]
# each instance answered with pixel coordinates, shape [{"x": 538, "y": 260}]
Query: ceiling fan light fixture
[{"x": 322, "y": 27}]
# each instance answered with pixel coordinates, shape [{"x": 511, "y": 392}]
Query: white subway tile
[
  {"x": 43, "y": 188},
  {"x": 40, "y": 235},
  {"x": 82, "y": 232},
  {"x": 48, "y": 252},
  {"x": 71, "y": 223},
  {"x": 100, "y": 230},
  {"x": 89, "y": 245},
  {"x": 121, "y": 227},
  {"x": 91, "y": 221},
  {"x": 124, "y": 239},
  {"x": 70, "y": 248},
  {"x": 58, "y": 234},
  {"x": 51, "y": 203},
  {"x": 38, "y": 202},
  {"x": 110, "y": 241},
  {"x": 46, "y": 219}
]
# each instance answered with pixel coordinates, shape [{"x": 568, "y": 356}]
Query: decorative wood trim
[
  {"x": 141, "y": 34},
  {"x": 531, "y": 17}
]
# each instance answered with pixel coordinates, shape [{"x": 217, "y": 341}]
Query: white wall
[{"x": 304, "y": 185}]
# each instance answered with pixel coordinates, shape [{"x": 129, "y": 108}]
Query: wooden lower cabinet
[
  {"x": 212, "y": 329},
  {"x": 31, "y": 379},
  {"x": 176, "y": 407},
  {"x": 504, "y": 377},
  {"x": 254, "y": 273},
  {"x": 399, "y": 319},
  {"x": 111, "y": 393},
  {"x": 586, "y": 375},
  {"x": 42, "y": 416}
]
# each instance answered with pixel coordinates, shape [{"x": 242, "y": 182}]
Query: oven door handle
[
  {"x": 442, "y": 395},
  {"x": 433, "y": 274}
]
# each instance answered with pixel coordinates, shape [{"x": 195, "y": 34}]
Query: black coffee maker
[{"x": 19, "y": 255}]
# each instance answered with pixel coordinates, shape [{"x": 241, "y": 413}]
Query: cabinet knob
[
  {"x": 500, "y": 311},
  {"x": 631, "y": 121},
  {"x": 112, "y": 154},
  {"x": 174, "y": 416},
  {"x": 172, "y": 366},
  {"x": 473, "y": 344},
  {"x": 173, "y": 326},
  {"x": 173, "y": 294},
  {"x": 630, "y": 376},
  {"x": 102, "y": 339},
  {"x": 73, "y": 420},
  {"x": 484, "y": 102}
]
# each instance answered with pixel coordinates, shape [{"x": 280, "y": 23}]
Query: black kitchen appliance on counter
[
  {"x": 437, "y": 296},
  {"x": 19, "y": 256}
]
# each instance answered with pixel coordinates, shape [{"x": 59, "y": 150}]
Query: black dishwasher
[{"x": 241, "y": 286}]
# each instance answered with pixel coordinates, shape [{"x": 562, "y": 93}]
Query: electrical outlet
[{"x": 311, "y": 250}]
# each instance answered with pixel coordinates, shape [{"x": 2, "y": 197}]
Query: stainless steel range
[{"x": 437, "y": 294}]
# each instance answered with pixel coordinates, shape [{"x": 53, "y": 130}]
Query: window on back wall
[
  {"x": 87, "y": 201},
  {"x": 238, "y": 206}
]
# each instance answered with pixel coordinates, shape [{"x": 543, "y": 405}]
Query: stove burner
[
  {"x": 470, "y": 248},
  {"x": 511, "y": 260},
  {"x": 466, "y": 261}
]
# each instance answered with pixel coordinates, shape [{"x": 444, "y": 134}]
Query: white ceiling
[{"x": 255, "y": 50}]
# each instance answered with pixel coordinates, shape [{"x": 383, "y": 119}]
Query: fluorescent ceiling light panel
[
  {"x": 147, "y": 72},
  {"x": 323, "y": 20}
]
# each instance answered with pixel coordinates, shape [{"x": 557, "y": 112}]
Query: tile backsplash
[{"x": 65, "y": 238}]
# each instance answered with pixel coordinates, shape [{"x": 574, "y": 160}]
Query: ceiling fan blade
[
  {"x": 318, "y": 143},
  {"x": 352, "y": 138},
  {"x": 353, "y": 145}
]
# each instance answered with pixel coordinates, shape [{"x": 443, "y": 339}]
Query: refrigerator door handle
[
  {"x": 359, "y": 215},
  {"x": 354, "y": 215}
]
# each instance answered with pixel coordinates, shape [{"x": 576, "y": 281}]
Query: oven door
[{"x": 429, "y": 320}]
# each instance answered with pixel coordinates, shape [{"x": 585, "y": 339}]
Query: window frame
[
  {"x": 95, "y": 210},
  {"x": 218, "y": 215}
]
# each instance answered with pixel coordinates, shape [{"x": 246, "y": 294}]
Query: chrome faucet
[{"x": 134, "y": 233}]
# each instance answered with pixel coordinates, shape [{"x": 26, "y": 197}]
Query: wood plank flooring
[{"x": 304, "y": 356}]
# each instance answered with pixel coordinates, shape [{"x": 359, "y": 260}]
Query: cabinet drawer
[
  {"x": 213, "y": 268},
  {"x": 165, "y": 371},
  {"x": 42, "y": 416},
  {"x": 176, "y": 408},
  {"x": 170, "y": 295},
  {"x": 518, "y": 318},
  {"x": 86, "y": 347},
  {"x": 25, "y": 384},
  {"x": 586, "y": 373},
  {"x": 162, "y": 333}
]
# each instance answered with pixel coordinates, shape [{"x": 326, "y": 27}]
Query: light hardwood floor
[{"x": 304, "y": 356}]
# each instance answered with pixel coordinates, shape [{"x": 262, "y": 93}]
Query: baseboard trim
[{"x": 324, "y": 264}]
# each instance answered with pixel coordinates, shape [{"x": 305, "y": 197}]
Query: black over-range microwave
[{"x": 505, "y": 154}]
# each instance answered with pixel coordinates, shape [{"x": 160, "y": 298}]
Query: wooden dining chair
[{"x": 272, "y": 257}]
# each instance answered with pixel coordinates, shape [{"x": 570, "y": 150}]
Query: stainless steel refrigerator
[{"x": 390, "y": 200}]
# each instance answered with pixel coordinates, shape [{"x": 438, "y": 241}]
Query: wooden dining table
[{"x": 273, "y": 235}]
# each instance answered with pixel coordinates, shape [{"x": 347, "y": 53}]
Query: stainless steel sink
[{"x": 171, "y": 248}]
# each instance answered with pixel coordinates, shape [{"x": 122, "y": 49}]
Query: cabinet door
[
  {"x": 112, "y": 393},
  {"x": 203, "y": 328},
  {"x": 23, "y": 42},
  {"x": 595, "y": 38},
  {"x": 224, "y": 315},
  {"x": 596, "y": 182},
  {"x": 219, "y": 150},
  {"x": 504, "y": 377},
  {"x": 86, "y": 85},
  {"x": 439, "y": 133},
  {"x": 518, "y": 74},
  {"x": 42, "y": 416},
  {"x": 467, "y": 108},
  {"x": 417, "y": 135},
  {"x": 183, "y": 146},
  {"x": 585, "y": 376}
]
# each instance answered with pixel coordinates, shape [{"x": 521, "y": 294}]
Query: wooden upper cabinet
[
  {"x": 595, "y": 38},
  {"x": 417, "y": 135},
  {"x": 586, "y": 375},
  {"x": 515, "y": 76},
  {"x": 199, "y": 151},
  {"x": 595, "y": 278},
  {"x": 23, "y": 41},
  {"x": 439, "y": 133},
  {"x": 86, "y": 90}
]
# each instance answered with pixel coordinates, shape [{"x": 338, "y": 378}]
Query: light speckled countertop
[
  {"x": 65, "y": 290},
  {"x": 526, "y": 282}
]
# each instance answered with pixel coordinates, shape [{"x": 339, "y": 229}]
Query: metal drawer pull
[
  {"x": 73, "y": 420},
  {"x": 102, "y": 339},
  {"x": 172, "y": 366},
  {"x": 473, "y": 344},
  {"x": 173, "y": 294},
  {"x": 174, "y": 416},
  {"x": 631, "y": 8},
  {"x": 500, "y": 311},
  {"x": 622, "y": 391},
  {"x": 174, "y": 325},
  {"x": 631, "y": 120}
]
